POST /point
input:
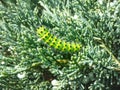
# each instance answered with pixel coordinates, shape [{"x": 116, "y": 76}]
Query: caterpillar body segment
[{"x": 57, "y": 43}]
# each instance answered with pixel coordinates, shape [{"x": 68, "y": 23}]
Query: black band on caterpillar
[{"x": 57, "y": 43}]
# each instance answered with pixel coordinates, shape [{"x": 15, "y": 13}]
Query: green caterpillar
[{"x": 57, "y": 43}]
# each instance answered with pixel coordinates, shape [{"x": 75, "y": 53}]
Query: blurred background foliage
[{"x": 27, "y": 63}]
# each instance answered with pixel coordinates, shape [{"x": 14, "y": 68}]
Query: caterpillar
[{"x": 57, "y": 43}]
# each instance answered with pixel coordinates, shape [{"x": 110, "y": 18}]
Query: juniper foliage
[{"x": 27, "y": 63}]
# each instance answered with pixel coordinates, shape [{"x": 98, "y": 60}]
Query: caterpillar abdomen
[{"x": 57, "y": 43}]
